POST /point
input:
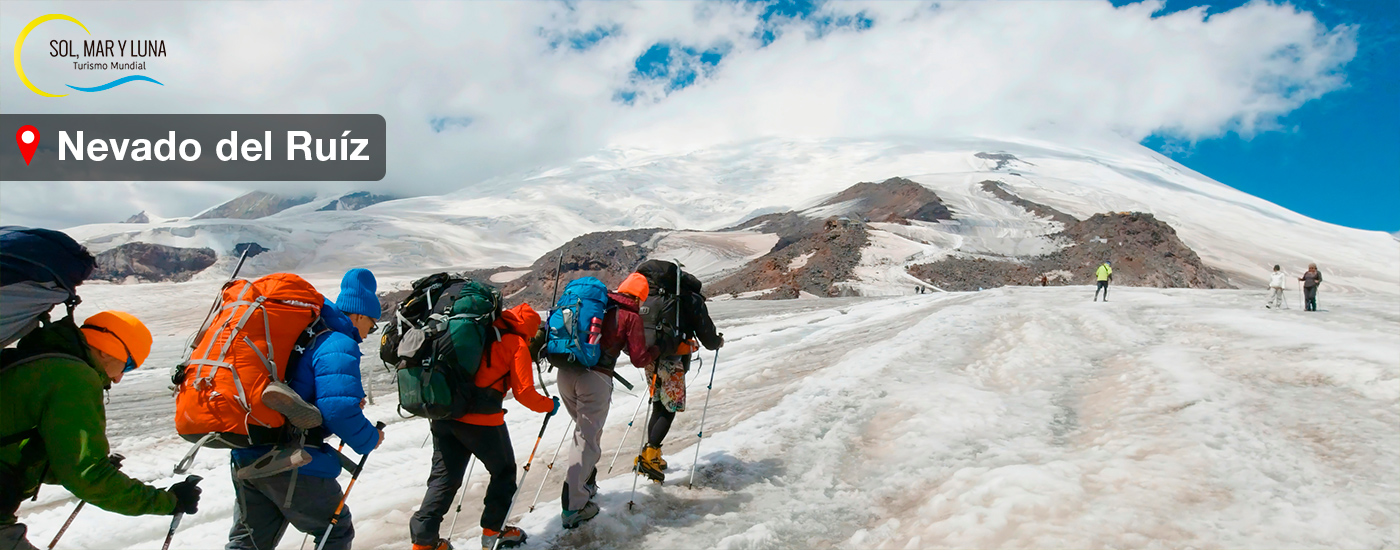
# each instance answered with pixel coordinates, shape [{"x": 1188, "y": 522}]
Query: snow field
[{"x": 1020, "y": 417}]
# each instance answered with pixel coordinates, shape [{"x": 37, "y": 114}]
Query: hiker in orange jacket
[{"x": 455, "y": 441}]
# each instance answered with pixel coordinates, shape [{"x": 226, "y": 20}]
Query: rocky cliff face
[
  {"x": 1145, "y": 251},
  {"x": 152, "y": 262},
  {"x": 254, "y": 205}
]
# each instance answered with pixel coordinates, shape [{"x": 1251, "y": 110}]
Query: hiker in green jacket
[
  {"x": 1104, "y": 274},
  {"x": 53, "y": 424}
]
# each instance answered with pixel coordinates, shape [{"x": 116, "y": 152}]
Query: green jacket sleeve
[{"x": 73, "y": 427}]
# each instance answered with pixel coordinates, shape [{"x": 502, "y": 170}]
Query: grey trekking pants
[
  {"x": 12, "y": 538},
  {"x": 1275, "y": 298},
  {"x": 260, "y": 518},
  {"x": 587, "y": 395}
]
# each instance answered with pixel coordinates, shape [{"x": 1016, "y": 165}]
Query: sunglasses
[{"x": 130, "y": 361}]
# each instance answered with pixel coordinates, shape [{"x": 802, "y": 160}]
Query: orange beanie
[
  {"x": 635, "y": 285},
  {"x": 124, "y": 328}
]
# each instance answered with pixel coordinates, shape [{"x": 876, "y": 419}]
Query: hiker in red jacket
[
  {"x": 587, "y": 392},
  {"x": 455, "y": 441}
]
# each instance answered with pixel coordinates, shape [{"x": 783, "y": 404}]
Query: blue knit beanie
[{"x": 357, "y": 294}]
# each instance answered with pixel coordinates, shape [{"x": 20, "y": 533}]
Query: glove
[
  {"x": 556, "y": 407},
  {"x": 116, "y": 460},
  {"x": 187, "y": 495},
  {"x": 721, "y": 340}
]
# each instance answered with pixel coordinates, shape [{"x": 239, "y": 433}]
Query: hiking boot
[
  {"x": 661, "y": 461},
  {"x": 276, "y": 461},
  {"x": 509, "y": 538},
  {"x": 281, "y": 398},
  {"x": 573, "y": 518},
  {"x": 441, "y": 544},
  {"x": 647, "y": 465}
]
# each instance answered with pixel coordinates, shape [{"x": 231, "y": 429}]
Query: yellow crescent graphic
[{"x": 19, "y": 43}]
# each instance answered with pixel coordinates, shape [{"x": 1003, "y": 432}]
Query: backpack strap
[{"x": 14, "y": 438}]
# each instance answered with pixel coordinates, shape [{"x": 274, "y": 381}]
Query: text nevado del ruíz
[{"x": 299, "y": 147}]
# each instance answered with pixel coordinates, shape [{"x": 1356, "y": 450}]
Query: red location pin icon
[{"x": 28, "y": 140}]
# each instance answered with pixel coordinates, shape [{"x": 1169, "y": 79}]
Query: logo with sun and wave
[{"x": 96, "y": 56}]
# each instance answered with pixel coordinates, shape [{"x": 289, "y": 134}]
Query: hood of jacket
[
  {"x": 337, "y": 321},
  {"x": 59, "y": 337},
  {"x": 521, "y": 319},
  {"x": 625, "y": 301}
]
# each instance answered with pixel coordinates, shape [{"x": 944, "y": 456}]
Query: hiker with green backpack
[{"x": 52, "y": 417}]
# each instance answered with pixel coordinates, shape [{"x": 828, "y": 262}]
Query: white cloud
[{"x": 957, "y": 67}]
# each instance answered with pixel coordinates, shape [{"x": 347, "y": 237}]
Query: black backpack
[
  {"x": 663, "y": 322},
  {"x": 39, "y": 269},
  {"x": 436, "y": 341}
]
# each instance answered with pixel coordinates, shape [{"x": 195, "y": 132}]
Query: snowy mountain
[{"x": 515, "y": 220}]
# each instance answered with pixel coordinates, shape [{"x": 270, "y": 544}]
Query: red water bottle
[{"x": 595, "y": 331}]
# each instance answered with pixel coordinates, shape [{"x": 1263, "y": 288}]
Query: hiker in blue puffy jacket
[{"x": 328, "y": 377}]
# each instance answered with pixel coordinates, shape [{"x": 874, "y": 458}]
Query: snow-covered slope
[
  {"x": 1021, "y": 417},
  {"x": 513, "y": 220}
]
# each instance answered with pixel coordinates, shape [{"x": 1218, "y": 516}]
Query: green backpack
[{"x": 436, "y": 343}]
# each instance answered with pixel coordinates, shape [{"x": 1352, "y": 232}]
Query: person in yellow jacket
[{"x": 1104, "y": 275}]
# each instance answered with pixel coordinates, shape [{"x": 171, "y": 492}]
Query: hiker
[
  {"x": 587, "y": 391},
  {"x": 327, "y": 376},
  {"x": 1275, "y": 285},
  {"x": 484, "y": 435},
  {"x": 1046, "y": 280},
  {"x": 1311, "y": 280},
  {"x": 682, "y": 304},
  {"x": 53, "y": 423},
  {"x": 1104, "y": 275}
]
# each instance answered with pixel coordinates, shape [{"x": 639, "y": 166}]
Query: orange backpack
[{"x": 246, "y": 343}]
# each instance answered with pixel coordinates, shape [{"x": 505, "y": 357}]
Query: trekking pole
[
  {"x": 465, "y": 483},
  {"x": 550, "y": 468},
  {"x": 703, "y": 412},
  {"x": 558, "y": 266},
  {"x": 632, "y": 500},
  {"x": 335, "y": 517},
  {"x": 175, "y": 521},
  {"x": 628, "y": 431},
  {"x": 116, "y": 460},
  {"x": 543, "y": 425}
]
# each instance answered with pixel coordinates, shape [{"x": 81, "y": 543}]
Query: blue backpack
[{"x": 576, "y": 322}]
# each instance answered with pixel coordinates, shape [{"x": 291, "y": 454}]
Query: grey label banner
[{"x": 196, "y": 148}]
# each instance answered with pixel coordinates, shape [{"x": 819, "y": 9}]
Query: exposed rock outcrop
[
  {"x": 813, "y": 264},
  {"x": 1145, "y": 251},
  {"x": 253, "y": 205},
  {"x": 152, "y": 262},
  {"x": 355, "y": 201},
  {"x": 139, "y": 218}
]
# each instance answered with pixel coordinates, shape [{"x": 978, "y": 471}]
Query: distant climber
[
  {"x": 1044, "y": 280},
  {"x": 1311, "y": 280},
  {"x": 1275, "y": 285},
  {"x": 1104, "y": 275}
]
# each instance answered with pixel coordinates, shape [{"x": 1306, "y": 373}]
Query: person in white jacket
[{"x": 1276, "y": 285}]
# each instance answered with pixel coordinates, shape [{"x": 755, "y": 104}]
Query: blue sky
[{"x": 1336, "y": 159}]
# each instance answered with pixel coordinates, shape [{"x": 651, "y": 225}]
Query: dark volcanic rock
[
  {"x": 254, "y": 205},
  {"x": 355, "y": 201},
  {"x": 139, "y": 218},
  {"x": 814, "y": 263},
  {"x": 895, "y": 200},
  {"x": 996, "y": 188},
  {"x": 152, "y": 262},
  {"x": 1145, "y": 251},
  {"x": 608, "y": 255}
]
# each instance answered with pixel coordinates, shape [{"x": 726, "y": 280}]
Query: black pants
[
  {"x": 660, "y": 423},
  {"x": 1103, "y": 285},
  {"x": 453, "y": 444},
  {"x": 261, "y": 516},
  {"x": 1310, "y": 298}
]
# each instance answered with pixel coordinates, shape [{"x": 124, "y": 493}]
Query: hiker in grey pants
[{"x": 587, "y": 395}]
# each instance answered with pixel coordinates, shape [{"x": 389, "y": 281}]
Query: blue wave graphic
[{"x": 115, "y": 83}]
